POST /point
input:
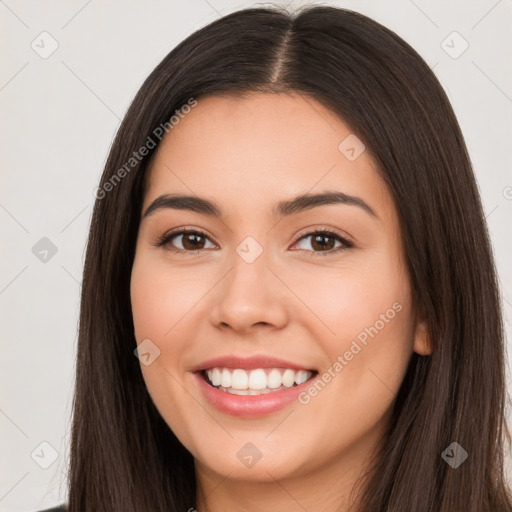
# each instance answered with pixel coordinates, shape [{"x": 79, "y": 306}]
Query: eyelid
[
  {"x": 308, "y": 231},
  {"x": 345, "y": 241},
  {"x": 182, "y": 230}
]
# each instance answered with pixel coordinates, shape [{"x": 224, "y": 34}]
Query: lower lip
[{"x": 249, "y": 405}]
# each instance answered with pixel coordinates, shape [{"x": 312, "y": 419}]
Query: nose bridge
[
  {"x": 249, "y": 293},
  {"x": 249, "y": 277}
]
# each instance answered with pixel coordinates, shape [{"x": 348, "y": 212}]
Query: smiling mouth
[{"x": 259, "y": 381}]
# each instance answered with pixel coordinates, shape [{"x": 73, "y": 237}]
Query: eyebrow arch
[{"x": 282, "y": 209}]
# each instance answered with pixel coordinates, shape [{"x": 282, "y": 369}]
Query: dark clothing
[{"x": 56, "y": 509}]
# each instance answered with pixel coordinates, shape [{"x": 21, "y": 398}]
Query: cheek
[
  {"x": 366, "y": 361},
  {"x": 161, "y": 299},
  {"x": 160, "y": 302},
  {"x": 363, "y": 321},
  {"x": 368, "y": 289}
]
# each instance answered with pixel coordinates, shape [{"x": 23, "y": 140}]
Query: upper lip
[{"x": 248, "y": 363}]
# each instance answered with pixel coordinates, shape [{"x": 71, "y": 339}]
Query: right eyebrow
[{"x": 282, "y": 209}]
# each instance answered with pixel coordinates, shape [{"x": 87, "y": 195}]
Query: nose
[{"x": 251, "y": 294}]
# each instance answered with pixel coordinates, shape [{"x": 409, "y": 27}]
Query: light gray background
[{"x": 58, "y": 118}]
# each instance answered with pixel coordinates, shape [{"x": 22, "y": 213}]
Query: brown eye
[
  {"x": 192, "y": 241},
  {"x": 323, "y": 242}
]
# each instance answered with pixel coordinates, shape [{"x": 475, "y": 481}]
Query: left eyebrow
[
  {"x": 308, "y": 201},
  {"x": 282, "y": 209}
]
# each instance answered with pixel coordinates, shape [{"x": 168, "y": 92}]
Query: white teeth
[
  {"x": 215, "y": 377},
  {"x": 247, "y": 391},
  {"x": 225, "y": 380},
  {"x": 288, "y": 378},
  {"x": 234, "y": 391},
  {"x": 257, "y": 379},
  {"x": 274, "y": 379},
  {"x": 239, "y": 380},
  {"x": 301, "y": 376},
  {"x": 256, "y": 382}
]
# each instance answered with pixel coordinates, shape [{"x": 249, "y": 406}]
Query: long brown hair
[{"x": 124, "y": 457}]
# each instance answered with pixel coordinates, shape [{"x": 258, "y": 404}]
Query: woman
[{"x": 289, "y": 238}]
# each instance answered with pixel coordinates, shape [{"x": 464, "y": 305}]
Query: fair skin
[{"x": 304, "y": 306}]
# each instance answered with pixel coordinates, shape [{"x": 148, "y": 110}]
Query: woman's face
[{"x": 259, "y": 280}]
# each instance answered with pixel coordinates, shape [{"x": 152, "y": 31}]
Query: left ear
[{"x": 422, "y": 341}]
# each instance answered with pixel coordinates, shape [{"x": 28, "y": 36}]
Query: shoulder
[{"x": 60, "y": 508}]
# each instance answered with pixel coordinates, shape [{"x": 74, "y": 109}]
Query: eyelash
[{"x": 346, "y": 244}]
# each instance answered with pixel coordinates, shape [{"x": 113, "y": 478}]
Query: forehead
[{"x": 260, "y": 149}]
